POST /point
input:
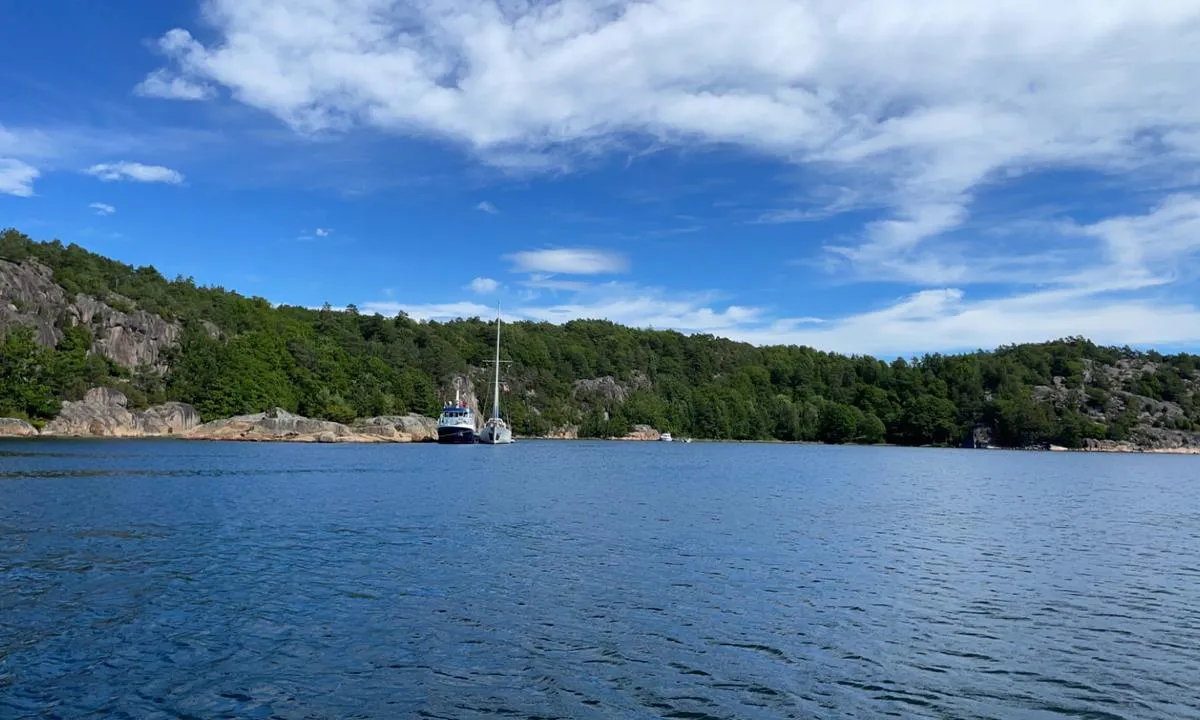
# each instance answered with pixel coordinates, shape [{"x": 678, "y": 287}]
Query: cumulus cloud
[
  {"x": 484, "y": 285},
  {"x": 323, "y": 232},
  {"x": 102, "y": 208},
  {"x": 163, "y": 84},
  {"x": 932, "y": 99},
  {"x": 912, "y": 108},
  {"x": 487, "y": 207},
  {"x": 569, "y": 261},
  {"x": 16, "y": 177},
  {"x": 136, "y": 172}
]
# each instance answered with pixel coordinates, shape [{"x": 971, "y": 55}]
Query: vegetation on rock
[{"x": 240, "y": 355}]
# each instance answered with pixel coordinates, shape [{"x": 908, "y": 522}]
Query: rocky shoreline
[{"x": 104, "y": 413}]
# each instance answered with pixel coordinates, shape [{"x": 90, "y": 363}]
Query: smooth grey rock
[
  {"x": 104, "y": 412},
  {"x": 13, "y": 427},
  {"x": 411, "y": 427}
]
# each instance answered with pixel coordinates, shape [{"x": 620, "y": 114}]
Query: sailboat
[{"x": 495, "y": 430}]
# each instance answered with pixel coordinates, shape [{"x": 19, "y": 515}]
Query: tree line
[{"x": 240, "y": 354}]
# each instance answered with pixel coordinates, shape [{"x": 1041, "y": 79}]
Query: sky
[{"x": 884, "y": 177}]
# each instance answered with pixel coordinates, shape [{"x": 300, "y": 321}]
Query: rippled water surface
[{"x": 169, "y": 579}]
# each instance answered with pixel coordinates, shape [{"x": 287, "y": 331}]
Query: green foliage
[
  {"x": 871, "y": 430},
  {"x": 839, "y": 423},
  {"x": 26, "y": 376},
  {"x": 928, "y": 420},
  {"x": 240, "y": 355}
]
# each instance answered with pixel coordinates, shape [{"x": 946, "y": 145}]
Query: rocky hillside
[
  {"x": 71, "y": 320},
  {"x": 129, "y": 337}
]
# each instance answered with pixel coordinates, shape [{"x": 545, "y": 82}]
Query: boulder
[
  {"x": 981, "y": 437},
  {"x": 173, "y": 418},
  {"x": 642, "y": 432},
  {"x": 1151, "y": 440},
  {"x": 101, "y": 413},
  {"x": 278, "y": 424},
  {"x": 563, "y": 432},
  {"x": 1093, "y": 445},
  {"x": 104, "y": 412},
  {"x": 399, "y": 428},
  {"x": 12, "y": 427}
]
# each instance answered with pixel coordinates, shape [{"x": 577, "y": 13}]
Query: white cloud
[
  {"x": 484, "y": 285},
  {"x": 1100, "y": 301},
  {"x": 945, "y": 320},
  {"x": 569, "y": 261},
  {"x": 910, "y": 108},
  {"x": 323, "y": 232},
  {"x": 163, "y": 84},
  {"x": 487, "y": 207},
  {"x": 136, "y": 172},
  {"x": 16, "y": 177},
  {"x": 434, "y": 311},
  {"x": 924, "y": 102},
  {"x": 102, "y": 208}
]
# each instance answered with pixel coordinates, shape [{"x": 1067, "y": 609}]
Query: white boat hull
[{"x": 495, "y": 435}]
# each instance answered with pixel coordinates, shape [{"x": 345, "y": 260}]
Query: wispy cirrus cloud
[
  {"x": 487, "y": 207},
  {"x": 569, "y": 261},
  {"x": 16, "y": 177},
  {"x": 136, "y": 172},
  {"x": 1101, "y": 301},
  {"x": 429, "y": 311},
  {"x": 102, "y": 208}
]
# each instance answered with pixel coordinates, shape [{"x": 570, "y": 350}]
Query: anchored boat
[
  {"x": 456, "y": 425},
  {"x": 495, "y": 430}
]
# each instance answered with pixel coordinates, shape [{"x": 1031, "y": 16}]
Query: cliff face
[{"x": 29, "y": 296}]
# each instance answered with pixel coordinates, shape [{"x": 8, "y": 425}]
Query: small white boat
[
  {"x": 495, "y": 430},
  {"x": 665, "y": 437}
]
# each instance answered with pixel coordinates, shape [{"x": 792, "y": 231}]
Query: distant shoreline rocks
[{"x": 104, "y": 413}]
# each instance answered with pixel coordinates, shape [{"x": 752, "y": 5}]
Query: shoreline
[{"x": 388, "y": 441}]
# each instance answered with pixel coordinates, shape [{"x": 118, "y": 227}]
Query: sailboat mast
[{"x": 496, "y": 389}]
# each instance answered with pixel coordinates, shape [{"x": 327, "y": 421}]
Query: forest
[{"x": 241, "y": 354}]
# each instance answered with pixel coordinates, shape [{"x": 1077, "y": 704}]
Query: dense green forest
[{"x": 241, "y": 354}]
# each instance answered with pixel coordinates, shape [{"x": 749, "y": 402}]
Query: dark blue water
[{"x": 576, "y": 580}]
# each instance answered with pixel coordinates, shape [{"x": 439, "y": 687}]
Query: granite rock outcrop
[{"x": 104, "y": 412}]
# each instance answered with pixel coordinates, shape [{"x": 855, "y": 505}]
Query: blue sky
[{"x": 878, "y": 176}]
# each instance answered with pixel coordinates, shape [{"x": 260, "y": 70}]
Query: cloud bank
[{"x": 915, "y": 109}]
